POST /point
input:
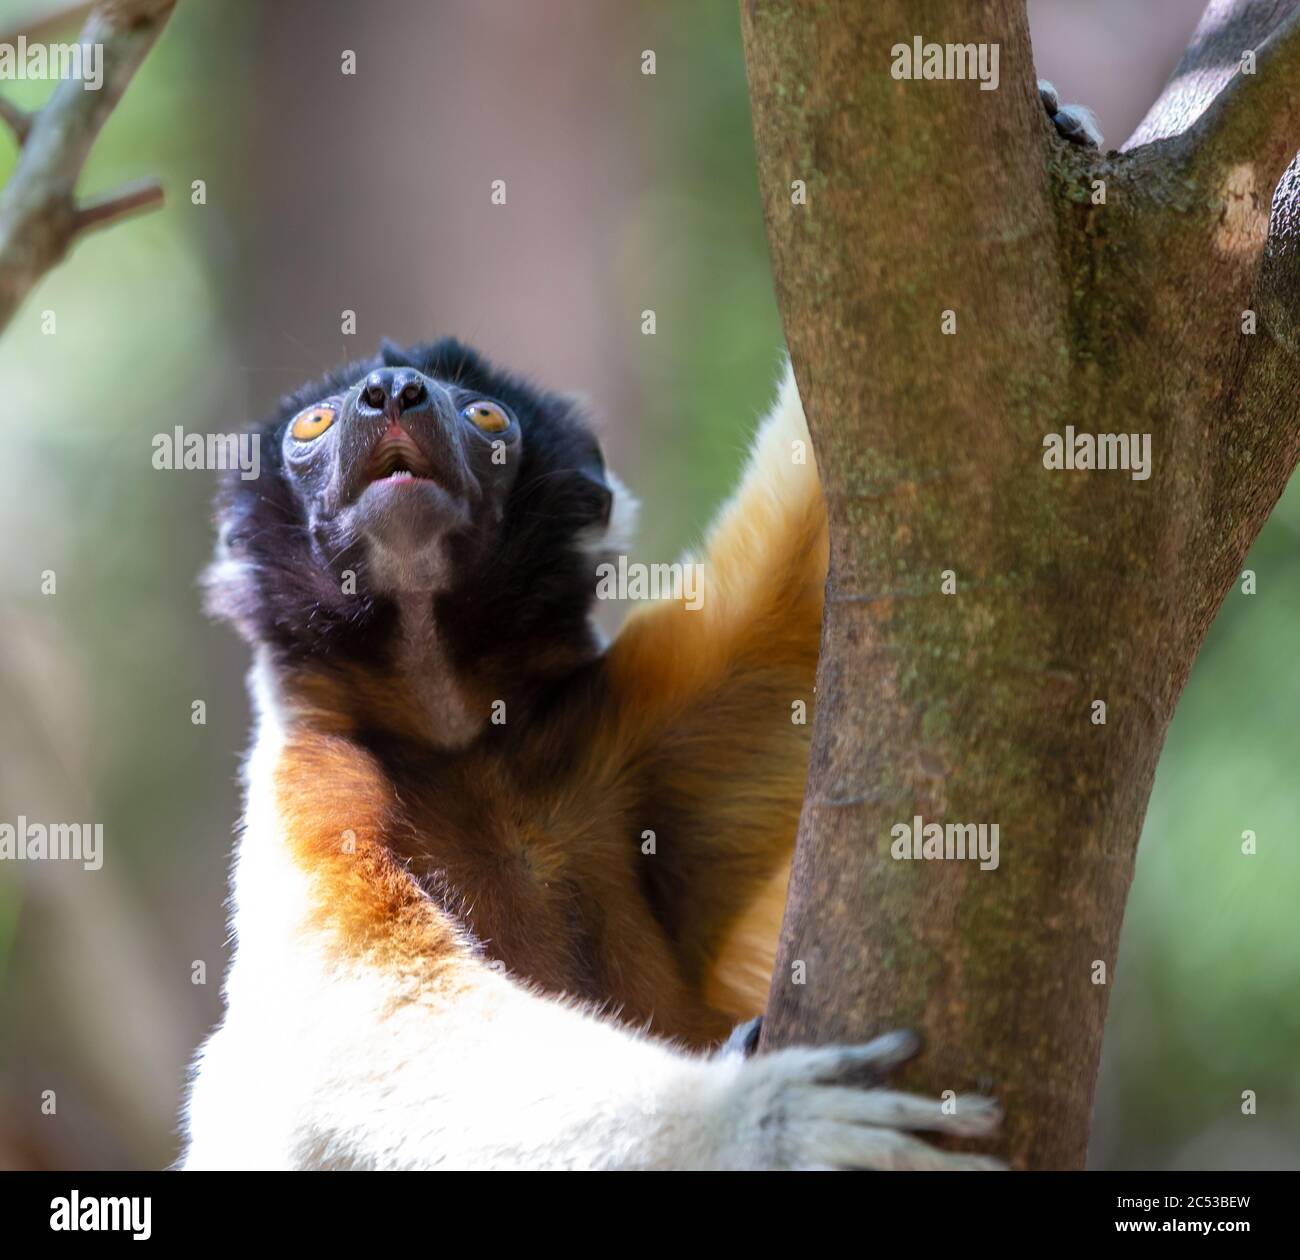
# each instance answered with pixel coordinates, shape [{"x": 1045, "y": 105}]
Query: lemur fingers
[
  {"x": 870, "y": 1063},
  {"x": 1076, "y": 123},
  {"x": 871, "y": 1149},
  {"x": 970, "y": 1116},
  {"x": 807, "y": 1108}
]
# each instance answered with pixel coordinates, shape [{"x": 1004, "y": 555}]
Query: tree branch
[
  {"x": 1223, "y": 145},
  {"x": 129, "y": 200},
  {"x": 1254, "y": 118},
  {"x": 39, "y": 219},
  {"x": 1227, "y": 29}
]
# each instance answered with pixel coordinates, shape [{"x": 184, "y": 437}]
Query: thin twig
[
  {"x": 39, "y": 218},
  {"x": 128, "y": 200}
]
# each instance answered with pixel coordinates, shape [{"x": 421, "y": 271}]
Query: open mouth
[{"x": 396, "y": 458}]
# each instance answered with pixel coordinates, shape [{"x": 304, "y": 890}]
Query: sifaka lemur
[{"x": 503, "y": 889}]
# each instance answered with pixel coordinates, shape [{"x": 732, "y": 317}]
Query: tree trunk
[{"x": 1070, "y": 587}]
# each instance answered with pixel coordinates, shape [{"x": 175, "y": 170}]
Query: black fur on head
[{"x": 498, "y": 532}]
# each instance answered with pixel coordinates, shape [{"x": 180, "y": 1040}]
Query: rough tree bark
[{"x": 1071, "y": 586}]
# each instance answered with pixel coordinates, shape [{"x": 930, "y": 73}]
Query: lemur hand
[{"x": 823, "y": 1107}]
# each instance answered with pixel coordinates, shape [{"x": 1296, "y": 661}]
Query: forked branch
[{"x": 39, "y": 217}]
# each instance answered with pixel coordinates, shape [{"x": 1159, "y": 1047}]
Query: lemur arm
[
  {"x": 711, "y": 710},
  {"x": 364, "y": 1031}
]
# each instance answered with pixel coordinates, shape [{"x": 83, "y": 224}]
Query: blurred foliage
[
  {"x": 718, "y": 350},
  {"x": 1207, "y": 990},
  {"x": 95, "y": 995},
  {"x": 96, "y": 682}
]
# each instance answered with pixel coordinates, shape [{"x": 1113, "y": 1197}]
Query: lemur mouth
[{"x": 397, "y": 458}]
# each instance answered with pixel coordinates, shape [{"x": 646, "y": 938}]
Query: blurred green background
[{"x": 625, "y": 193}]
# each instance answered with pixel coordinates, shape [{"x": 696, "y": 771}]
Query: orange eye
[
  {"x": 312, "y": 423},
  {"x": 486, "y": 416}
]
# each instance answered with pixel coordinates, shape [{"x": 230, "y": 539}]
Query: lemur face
[
  {"x": 423, "y": 479},
  {"x": 403, "y": 462}
]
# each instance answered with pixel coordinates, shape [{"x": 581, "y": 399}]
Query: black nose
[{"x": 392, "y": 390}]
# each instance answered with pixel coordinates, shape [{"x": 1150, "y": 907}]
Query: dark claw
[
  {"x": 1074, "y": 123},
  {"x": 744, "y": 1038},
  {"x": 1077, "y": 125}
]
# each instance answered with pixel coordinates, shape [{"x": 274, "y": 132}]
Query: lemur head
[{"x": 419, "y": 492}]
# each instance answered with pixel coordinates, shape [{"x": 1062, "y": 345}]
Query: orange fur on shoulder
[
  {"x": 337, "y": 811},
  {"x": 706, "y": 702}
]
